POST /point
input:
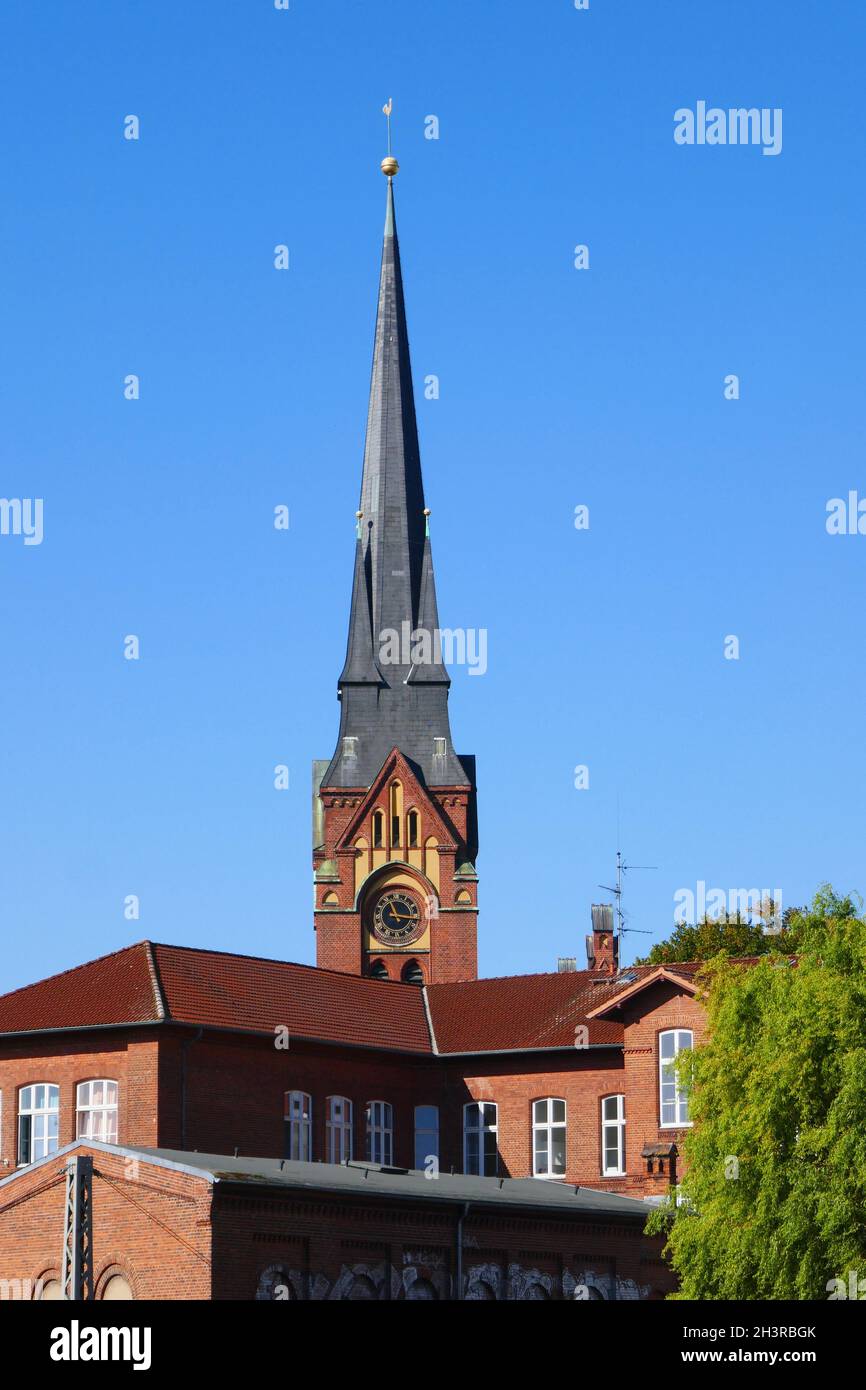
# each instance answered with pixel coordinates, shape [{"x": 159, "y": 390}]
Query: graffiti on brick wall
[{"x": 425, "y": 1274}]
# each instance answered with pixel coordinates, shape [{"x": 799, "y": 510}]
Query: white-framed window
[
  {"x": 380, "y": 1132},
  {"x": 613, "y": 1136},
  {"x": 673, "y": 1099},
  {"x": 38, "y": 1121},
  {"x": 96, "y": 1111},
  {"x": 299, "y": 1125},
  {"x": 481, "y": 1138},
  {"x": 339, "y": 1129},
  {"x": 426, "y": 1134},
  {"x": 548, "y": 1138}
]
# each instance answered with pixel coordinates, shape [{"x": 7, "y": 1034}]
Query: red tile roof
[
  {"x": 516, "y": 1012},
  {"x": 148, "y": 982},
  {"x": 113, "y": 989},
  {"x": 225, "y": 991},
  {"x": 151, "y": 983}
]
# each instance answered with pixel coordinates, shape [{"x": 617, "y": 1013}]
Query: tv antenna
[{"x": 621, "y": 869}]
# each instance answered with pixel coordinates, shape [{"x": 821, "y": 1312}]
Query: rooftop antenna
[{"x": 621, "y": 869}]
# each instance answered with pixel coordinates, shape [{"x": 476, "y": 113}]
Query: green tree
[
  {"x": 729, "y": 935},
  {"x": 773, "y": 1201}
]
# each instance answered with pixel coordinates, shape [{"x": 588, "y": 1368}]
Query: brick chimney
[{"x": 602, "y": 948}]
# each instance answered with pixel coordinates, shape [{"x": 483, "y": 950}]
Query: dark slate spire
[
  {"x": 392, "y": 493},
  {"x": 432, "y": 670},
  {"x": 391, "y": 698},
  {"x": 360, "y": 666}
]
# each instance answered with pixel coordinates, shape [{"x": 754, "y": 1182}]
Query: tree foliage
[
  {"x": 730, "y": 935},
  {"x": 773, "y": 1201}
]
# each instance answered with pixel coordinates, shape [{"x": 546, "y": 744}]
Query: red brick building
[
  {"x": 176, "y": 1225},
  {"x": 562, "y": 1077},
  {"x": 496, "y": 1098}
]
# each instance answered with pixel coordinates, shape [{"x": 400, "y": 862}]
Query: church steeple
[
  {"x": 394, "y": 818},
  {"x": 394, "y": 685}
]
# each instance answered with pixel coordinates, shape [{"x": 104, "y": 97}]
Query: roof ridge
[
  {"x": 271, "y": 960},
  {"x": 73, "y": 969},
  {"x": 529, "y": 975},
  {"x": 159, "y": 998},
  {"x": 429, "y": 1018}
]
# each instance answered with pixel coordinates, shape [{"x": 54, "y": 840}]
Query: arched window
[
  {"x": 48, "y": 1289},
  {"x": 421, "y": 1288},
  {"x": 339, "y": 1129},
  {"x": 96, "y": 1111},
  {"x": 378, "y": 829},
  {"x": 413, "y": 830},
  {"x": 613, "y": 1136},
  {"x": 396, "y": 803},
  {"x": 548, "y": 1138},
  {"x": 412, "y": 974},
  {"x": 426, "y": 1135},
  {"x": 118, "y": 1287},
  {"x": 362, "y": 1288},
  {"x": 480, "y": 1289},
  {"x": 480, "y": 1130},
  {"x": 38, "y": 1121},
  {"x": 379, "y": 970},
  {"x": 299, "y": 1125},
  {"x": 275, "y": 1285},
  {"x": 673, "y": 1099},
  {"x": 380, "y": 1132}
]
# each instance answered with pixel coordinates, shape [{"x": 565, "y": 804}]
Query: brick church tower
[{"x": 394, "y": 820}]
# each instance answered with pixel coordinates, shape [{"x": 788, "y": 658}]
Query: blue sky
[{"x": 559, "y": 387}]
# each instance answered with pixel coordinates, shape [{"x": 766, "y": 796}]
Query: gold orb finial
[{"x": 389, "y": 166}]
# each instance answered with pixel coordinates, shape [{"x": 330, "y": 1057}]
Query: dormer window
[{"x": 438, "y": 748}]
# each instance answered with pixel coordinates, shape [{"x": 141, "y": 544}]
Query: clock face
[{"x": 397, "y": 918}]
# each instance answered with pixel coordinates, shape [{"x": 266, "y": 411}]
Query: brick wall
[
  {"x": 319, "y": 1247},
  {"x": 660, "y": 1007},
  {"x": 129, "y": 1057},
  {"x": 173, "y": 1236},
  {"x": 152, "y": 1226}
]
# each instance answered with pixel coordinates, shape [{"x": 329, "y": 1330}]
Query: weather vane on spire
[{"x": 389, "y": 164}]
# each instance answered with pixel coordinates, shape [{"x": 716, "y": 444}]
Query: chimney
[{"x": 602, "y": 948}]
